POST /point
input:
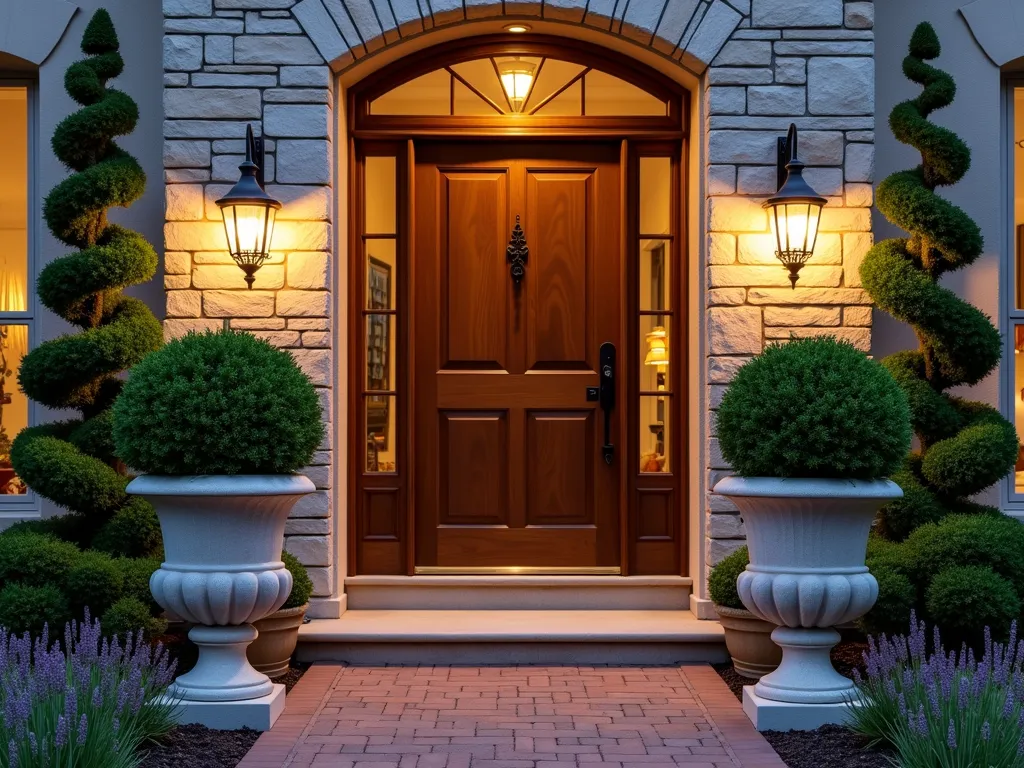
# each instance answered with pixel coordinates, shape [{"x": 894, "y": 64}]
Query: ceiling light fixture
[{"x": 517, "y": 29}]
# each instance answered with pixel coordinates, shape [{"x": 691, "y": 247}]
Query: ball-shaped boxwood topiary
[
  {"x": 302, "y": 586},
  {"x": 95, "y": 582},
  {"x": 35, "y": 559},
  {"x": 24, "y": 608},
  {"x": 127, "y": 616},
  {"x": 814, "y": 408},
  {"x": 722, "y": 581},
  {"x": 963, "y": 601},
  {"x": 221, "y": 403}
]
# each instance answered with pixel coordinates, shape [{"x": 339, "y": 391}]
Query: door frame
[{"x": 381, "y": 523}]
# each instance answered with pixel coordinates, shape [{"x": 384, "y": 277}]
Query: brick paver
[{"x": 512, "y": 717}]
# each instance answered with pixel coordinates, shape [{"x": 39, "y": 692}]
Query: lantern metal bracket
[
  {"x": 786, "y": 152},
  {"x": 256, "y": 151}
]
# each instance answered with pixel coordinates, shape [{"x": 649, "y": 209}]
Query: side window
[{"x": 16, "y": 235}]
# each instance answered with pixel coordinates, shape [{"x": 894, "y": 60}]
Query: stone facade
[{"x": 270, "y": 62}]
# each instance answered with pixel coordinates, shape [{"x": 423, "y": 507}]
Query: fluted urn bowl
[
  {"x": 807, "y": 540},
  {"x": 222, "y": 569}
]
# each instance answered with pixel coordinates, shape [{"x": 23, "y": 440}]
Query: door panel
[
  {"x": 473, "y": 219},
  {"x": 507, "y": 448},
  {"x": 559, "y": 476},
  {"x": 557, "y": 206},
  {"x": 474, "y": 465}
]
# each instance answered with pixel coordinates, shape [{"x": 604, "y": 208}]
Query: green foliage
[
  {"x": 220, "y": 403},
  {"x": 95, "y": 582},
  {"x": 966, "y": 601},
  {"x": 896, "y": 599},
  {"x": 814, "y": 408},
  {"x": 302, "y": 586},
  {"x": 128, "y": 615},
  {"x": 965, "y": 566},
  {"x": 24, "y": 608},
  {"x": 35, "y": 559},
  {"x": 73, "y": 463},
  {"x": 135, "y": 575},
  {"x": 722, "y": 581}
]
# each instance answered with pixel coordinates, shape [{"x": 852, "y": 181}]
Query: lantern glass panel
[
  {"x": 249, "y": 228},
  {"x": 795, "y": 226}
]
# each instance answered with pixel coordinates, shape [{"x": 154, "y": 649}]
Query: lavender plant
[
  {"x": 87, "y": 703},
  {"x": 942, "y": 709}
]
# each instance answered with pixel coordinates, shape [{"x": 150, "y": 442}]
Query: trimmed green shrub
[
  {"x": 95, "y": 582},
  {"x": 35, "y": 559},
  {"x": 814, "y": 408},
  {"x": 25, "y": 608},
  {"x": 129, "y": 615},
  {"x": 135, "y": 576},
  {"x": 722, "y": 581},
  {"x": 221, "y": 403},
  {"x": 897, "y": 597},
  {"x": 964, "y": 446},
  {"x": 967, "y": 600},
  {"x": 302, "y": 586}
]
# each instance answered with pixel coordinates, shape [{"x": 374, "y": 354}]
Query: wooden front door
[{"x": 508, "y": 451}]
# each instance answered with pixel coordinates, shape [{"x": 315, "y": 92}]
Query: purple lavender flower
[
  {"x": 97, "y": 698},
  {"x": 963, "y": 694},
  {"x": 60, "y": 736},
  {"x": 986, "y": 731},
  {"x": 33, "y": 744},
  {"x": 922, "y": 721},
  {"x": 117, "y": 725},
  {"x": 1008, "y": 705},
  {"x": 951, "y": 735},
  {"x": 901, "y": 701},
  {"x": 83, "y": 730}
]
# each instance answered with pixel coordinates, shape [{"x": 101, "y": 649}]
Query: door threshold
[{"x": 509, "y": 570}]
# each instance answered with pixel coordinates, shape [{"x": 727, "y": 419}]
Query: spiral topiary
[
  {"x": 72, "y": 463},
  {"x": 965, "y": 446}
]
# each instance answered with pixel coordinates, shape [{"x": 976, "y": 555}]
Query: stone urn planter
[
  {"x": 749, "y": 642},
  {"x": 807, "y": 540},
  {"x": 222, "y": 570}
]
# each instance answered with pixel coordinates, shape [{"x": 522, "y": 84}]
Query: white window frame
[{"x": 27, "y": 506}]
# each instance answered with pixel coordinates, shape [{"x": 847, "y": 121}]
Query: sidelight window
[
  {"x": 379, "y": 311},
  {"x": 15, "y": 243}
]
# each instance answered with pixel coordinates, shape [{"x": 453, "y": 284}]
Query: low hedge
[{"x": 722, "y": 581}]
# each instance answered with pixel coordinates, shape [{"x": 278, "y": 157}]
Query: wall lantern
[
  {"x": 249, "y": 212},
  {"x": 794, "y": 210},
  {"x": 517, "y": 80}
]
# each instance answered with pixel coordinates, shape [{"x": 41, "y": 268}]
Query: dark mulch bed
[
  {"x": 196, "y": 746},
  {"x": 830, "y": 746}
]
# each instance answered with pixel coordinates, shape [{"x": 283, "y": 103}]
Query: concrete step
[
  {"x": 512, "y": 637},
  {"x": 518, "y": 593}
]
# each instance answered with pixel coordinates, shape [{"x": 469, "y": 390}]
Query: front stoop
[{"x": 625, "y": 636}]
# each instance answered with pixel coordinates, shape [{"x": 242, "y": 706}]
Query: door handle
[
  {"x": 517, "y": 253},
  {"x": 606, "y": 396}
]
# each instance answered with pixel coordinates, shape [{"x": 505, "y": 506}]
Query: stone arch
[
  {"x": 998, "y": 26},
  {"x": 689, "y": 32},
  {"x": 31, "y": 29}
]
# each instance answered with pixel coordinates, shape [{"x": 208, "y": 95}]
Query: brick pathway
[{"x": 512, "y": 717}]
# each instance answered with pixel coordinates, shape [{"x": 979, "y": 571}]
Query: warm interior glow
[
  {"x": 517, "y": 29},
  {"x": 249, "y": 228},
  {"x": 516, "y": 79},
  {"x": 657, "y": 347}
]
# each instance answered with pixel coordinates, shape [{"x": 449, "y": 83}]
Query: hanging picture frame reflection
[{"x": 378, "y": 352}]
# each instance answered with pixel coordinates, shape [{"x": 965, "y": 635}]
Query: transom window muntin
[{"x": 546, "y": 87}]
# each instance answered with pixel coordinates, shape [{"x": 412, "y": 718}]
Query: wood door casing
[{"x": 507, "y": 448}]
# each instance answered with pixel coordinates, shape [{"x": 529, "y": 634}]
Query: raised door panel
[
  {"x": 558, "y": 210},
  {"x": 474, "y": 276},
  {"x": 473, "y": 468},
  {"x": 559, "y": 468}
]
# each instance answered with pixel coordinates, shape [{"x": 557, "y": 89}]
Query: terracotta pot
[
  {"x": 271, "y": 651},
  {"x": 749, "y": 641}
]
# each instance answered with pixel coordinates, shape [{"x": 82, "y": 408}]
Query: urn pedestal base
[
  {"x": 259, "y": 714},
  {"x": 223, "y": 671},
  {"x": 806, "y": 674},
  {"x": 768, "y": 715}
]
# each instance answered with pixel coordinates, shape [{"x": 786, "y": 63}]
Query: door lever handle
[
  {"x": 517, "y": 253},
  {"x": 606, "y": 396}
]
